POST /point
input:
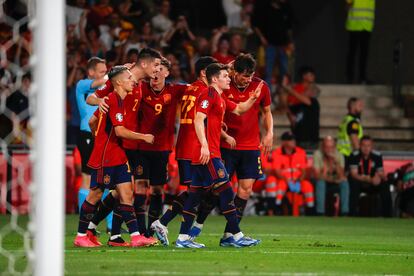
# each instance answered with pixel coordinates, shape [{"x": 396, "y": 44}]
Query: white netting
[{"x": 15, "y": 138}]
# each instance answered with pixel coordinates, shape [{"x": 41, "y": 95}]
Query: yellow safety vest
[
  {"x": 344, "y": 142},
  {"x": 361, "y": 16}
]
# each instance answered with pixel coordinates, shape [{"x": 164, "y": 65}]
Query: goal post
[{"x": 49, "y": 145}]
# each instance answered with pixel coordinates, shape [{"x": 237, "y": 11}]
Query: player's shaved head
[
  {"x": 245, "y": 64},
  {"x": 213, "y": 70},
  {"x": 202, "y": 63},
  {"x": 116, "y": 71}
]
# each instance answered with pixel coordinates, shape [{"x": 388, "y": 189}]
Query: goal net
[{"x": 32, "y": 137}]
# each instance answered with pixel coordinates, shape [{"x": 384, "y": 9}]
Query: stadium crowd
[{"x": 117, "y": 30}]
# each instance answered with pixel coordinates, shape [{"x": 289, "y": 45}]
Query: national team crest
[
  {"x": 204, "y": 104},
  {"x": 107, "y": 179},
  {"x": 140, "y": 170},
  {"x": 167, "y": 98},
  {"x": 119, "y": 117},
  {"x": 221, "y": 173}
]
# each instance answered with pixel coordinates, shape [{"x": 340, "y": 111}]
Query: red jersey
[
  {"x": 214, "y": 106},
  {"x": 245, "y": 128},
  {"x": 131, "y": 103},
  {"x": 107, "y": 150},
  {"x": 299, "y": 88},
  {"x": 157, "y": 115},
  {"x": 187, "y": 136},
  {"x": 223, "y": 59}
]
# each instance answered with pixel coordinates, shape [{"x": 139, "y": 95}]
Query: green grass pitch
[{"x": 290, "y": 246}]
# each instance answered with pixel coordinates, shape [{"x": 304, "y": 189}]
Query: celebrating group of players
[{"x": 218, "y": 136}]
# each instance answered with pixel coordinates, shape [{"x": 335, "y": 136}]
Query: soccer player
[
  {"x": 156, "y": 116},
  {"x": 184, "y": 147},
  {"x": 241, "y": 145},
  {"x": 209, "y": 172},
  {"x": 109, "y": 162},
  {"x": 148, "y": 65},
  {"x": 96, "y": 69}
]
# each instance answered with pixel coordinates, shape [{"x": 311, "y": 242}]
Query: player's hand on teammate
[
  {"x": 205, "y": 155},
  {"x": 231, "y": 141},
  {"x": 149, "y": 138},
  {"x": 103, "y": 106}
]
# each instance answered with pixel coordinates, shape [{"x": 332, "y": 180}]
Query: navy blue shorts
[
  {"x": 132, "y": 156},
  {"x": 210, "y": 174},
  {"x": 245, "y": 163},
  {"x": 109, "y": 177},
  {"x": 185, "y": 171},
  {"x": 152, "y": 166}
]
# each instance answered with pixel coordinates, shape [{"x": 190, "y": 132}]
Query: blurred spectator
[
  {"x": 304, "y": 109},
  {"x": 148, "y": 37},
  {"x": 133, "y": 42},
  {"x": 221, "y": 46},
  {"x": 329, "y": 168},
  {"x": 162, "y": 21},
  {"x": 132, "y": 56},
  {"x": 90, "y": 36},
  {"x": 290, "y": 164},
  {"x": 350, "y": 129},
  {"x": 405, "y": 187},
  {"x": 100, "y": 12},
  {"x": 367, "y": 176},
  {"x": 239, "y": 15},
  {"x": 273, "y": 21},
  {"x": 175, "y": 76},
  {"x": 236, "y": 44},
  {"x": 179, "y": 34},
  {"x": 359, "y": 24},
  {"x": 131, "y": 11},
  {"x": 74, "y": 11}
]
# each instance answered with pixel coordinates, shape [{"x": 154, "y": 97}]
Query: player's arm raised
[
  {"x": 201, "y": 135},
  {"x": 123, "y": 132},
  {"x": 244, "y": 106}
]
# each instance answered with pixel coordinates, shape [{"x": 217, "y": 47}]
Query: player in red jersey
[
  {"x": 109, "y": 164},
  {"x": 185, "y": 142},
  {"x": 241, "y": 147},
  {"x": 147, "y": 66},
  {"x": 157, "y": 116},
  {"x": 209, "y": 173}
]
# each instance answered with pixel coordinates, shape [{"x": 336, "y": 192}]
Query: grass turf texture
[{"x": 310, "y": 245}]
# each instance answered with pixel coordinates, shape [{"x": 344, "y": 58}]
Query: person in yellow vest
[
  {"x": 350, "y": 130},
  {"x": 359, "y": 24}
]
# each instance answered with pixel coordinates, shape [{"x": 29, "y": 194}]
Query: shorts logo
[
  {"x": 221, "y": 173},
  {"x": 204, "y": 104},
  {"x": 140, "y": 170},
  {"x": 107, "y": 179},
  {"x": 119, "y": 117}
]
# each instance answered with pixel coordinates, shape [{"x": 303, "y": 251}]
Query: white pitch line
[
  {"x": 228, "y": 273},
  {"x": 410, "y": 254}
]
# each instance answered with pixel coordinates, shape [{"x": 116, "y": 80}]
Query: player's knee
[{"x": 94, "y": 196}]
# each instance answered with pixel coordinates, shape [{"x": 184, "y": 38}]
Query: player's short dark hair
[
  {"x": 365, "y": 138},
  {"x": 165, "y": 62},
  {"x": 213, "y": 70},
  {"x": 93, "y": 61},
  {"x": 202, "y": 63},
  {"x": 148, "y": 53},
  {"x": 245, "y": 64},
  {"x": 132, "y": 51},
  {"x": 351, "y": 101},
  {"x": 116, "y": 70}
]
